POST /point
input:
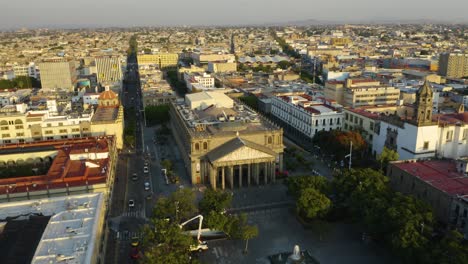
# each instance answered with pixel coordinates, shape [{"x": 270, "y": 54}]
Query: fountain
[{"x": 295, "y": 257}]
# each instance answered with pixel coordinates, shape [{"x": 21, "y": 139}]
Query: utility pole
[{"x": 350, "y": 155}]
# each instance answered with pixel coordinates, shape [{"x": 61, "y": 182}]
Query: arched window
[
  {"x": 4, "y": 123},
  {"x": 205, "y": 145},
  {"x": 197, "y": 146},
  {"x": 270, "y": 140},
  {"x": 18, "y": 122}
]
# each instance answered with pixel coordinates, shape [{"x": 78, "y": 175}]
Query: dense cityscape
[{"x": 338, "y": 143}]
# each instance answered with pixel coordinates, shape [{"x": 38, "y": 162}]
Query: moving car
[
  {"x": 145, "y": 169},
  {"x": 147, "y": 186},
  {"x": 134, "y": 177},
  {"x": 131, "y": 203}
]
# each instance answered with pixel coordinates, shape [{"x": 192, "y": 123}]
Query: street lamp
[{"x": 350, "y": 155}]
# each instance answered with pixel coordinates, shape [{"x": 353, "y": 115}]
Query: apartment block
[
  {"x": 453, "y": 65},
  {"x": 58, "y": 73}
]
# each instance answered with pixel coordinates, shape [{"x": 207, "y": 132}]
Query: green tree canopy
[
  {"x": 163, "y": 242},
  {"x": 311, "y": 203},
  {"x": 386, "y": 156},
  {"x": 178, "y": 206},
  {"x": 337, "y": 143},
  {"x": 157, "y": 114},
  {"x": 298, "y": 183},
  {"x": 214, "y": 200}
]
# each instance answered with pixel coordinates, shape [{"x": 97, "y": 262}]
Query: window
[
  {"x": 270, "y": 140},
  {"x": 36, "y": 133},
  {"x": 76, "y": 136},
  {"x": 75, "y": 130},
  {"x": 49, "y": 125},
  {"x": 85, "y": 129},
  {"x": 316, "y": 122},
  {"x": 7, "y": 141},
  {"x": 323, "y": 122},
  {"x": 465, "y": 133},
  {"x": 426, "y": 145},
  {"x": 5, "y": 135},
  {"x": 5, "y": 128},
  {"x": 345, "y": 126},
  {"x": 449, "y": 136},
  {"x": 60, "y": 124},
  {"x": 338, "y": 121},
  {"x": 62, "y": 131},
  {"x": 48, "y": 132},
  {"x": 11, "y": 122},
  {"x": 371, "y": 126},
  {"x": 21, "y": 140},
  {"x": 50, "y": 138},
  {"x": 331, "y": 121},
  {"x": 20, "y": 134},
  {"x": 19, "y": 127},
  {"x": 197, "y": 146},
  {"x": 64, "y": 137},
  {"x": 205, "y": 145},
  {"x": 346, "y": 116},
  {"x": 360, "y": 121}
]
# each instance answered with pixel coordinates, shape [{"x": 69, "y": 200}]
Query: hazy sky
[{"x": 63, "y": 13}]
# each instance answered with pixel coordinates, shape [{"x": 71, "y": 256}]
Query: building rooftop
[
  {"x": 442, "y": 174},
  {"x": 68, "y": 228},
  {"x": 212, "y": 119},
  {"x": 105, "y": 114},
  {"x": 73, "y": 162}
]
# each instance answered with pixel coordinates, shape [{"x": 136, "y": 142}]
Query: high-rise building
[
  {"x": 453, "y": 65},
  {"x": 108, "y": 69},
  {"x": 58, "y": 73}
]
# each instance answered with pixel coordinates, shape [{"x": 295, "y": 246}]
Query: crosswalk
[
  {"x": 135, "y": 213},
  {"x": 128, "y": 235}
]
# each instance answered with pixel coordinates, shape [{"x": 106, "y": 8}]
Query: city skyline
[{"x": 52, "y": 13}]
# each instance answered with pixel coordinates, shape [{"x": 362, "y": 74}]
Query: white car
[
  {"x": 145, "y": 169},
  {"x": 131, "y": 203},
  {"x": 147, "y": 186}
]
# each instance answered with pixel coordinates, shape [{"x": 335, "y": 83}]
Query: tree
[
  {"x": 284, "y": 64},
  {"x": 164, "y": 242},
  {"x": 214, "y": 200},
  {"x": 167, "y": 164},
  {"x": 386, "y": 156},
  {"x": 311, "y": 203},
  {"x": 409, "y": 221},
  {"x": 179, "y": 205},
  {"x": 157, "y": 114},
  {"x": 298, "y": 183},
  {"x": 249, "y": 232},
  {"x": 450, "y": 250},
  {"x": 337, "y": 143}
]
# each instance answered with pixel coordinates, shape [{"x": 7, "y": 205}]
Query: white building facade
[{"x": 305, "y": 115}]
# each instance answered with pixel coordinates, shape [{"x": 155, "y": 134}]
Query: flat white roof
[
  {"x": 71, "y": 233},
  {"x": 322, "y": 108}
]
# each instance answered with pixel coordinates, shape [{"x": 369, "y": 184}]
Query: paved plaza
[{"x": 279, "y": 231}]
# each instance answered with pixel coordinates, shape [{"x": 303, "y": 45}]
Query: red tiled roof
[
  {"x": 63, "y": 170},
  {"x": 447, "y": 119},
  {"x": 441, "y": 174}
]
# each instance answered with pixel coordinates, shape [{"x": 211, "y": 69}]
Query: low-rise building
[
  {"x": 306, "y": 115},
  {"x": 443, "y": 184},
  {"x": 163, "y": 60},
  {"x": 199, "y": 81}
]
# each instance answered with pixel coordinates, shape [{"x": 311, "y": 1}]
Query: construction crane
[{"x": 201, "y": 244}]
